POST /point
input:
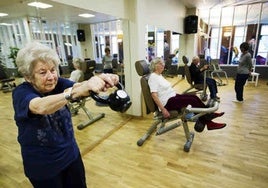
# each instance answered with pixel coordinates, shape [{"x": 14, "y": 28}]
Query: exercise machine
[{"x": 161, "y": 125}]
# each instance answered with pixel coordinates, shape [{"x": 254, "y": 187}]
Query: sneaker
[{"x": 237, "y": 101}]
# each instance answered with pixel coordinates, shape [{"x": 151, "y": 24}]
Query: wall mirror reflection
[
  {"x": 162, "y": 43},
  {"x": 21, "y": 23}
]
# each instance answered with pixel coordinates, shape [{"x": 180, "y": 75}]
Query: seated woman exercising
[{"x": 167, "y": 99}]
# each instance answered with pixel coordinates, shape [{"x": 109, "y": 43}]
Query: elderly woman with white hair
[
  {"x": 50, "y": 154},
  {"x": 77, "y": 75},
  {"x": 167, "y": 99}
]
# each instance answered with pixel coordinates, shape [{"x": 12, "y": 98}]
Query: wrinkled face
[
  {"x": 196, "y": 61},
  {"x": 45, "y": 77},
  {"x": 159, "y": 67}
]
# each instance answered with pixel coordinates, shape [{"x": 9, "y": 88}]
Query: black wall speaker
[
  {"x": 190, "y": 24},
  {"x": 81, "y": 35}
]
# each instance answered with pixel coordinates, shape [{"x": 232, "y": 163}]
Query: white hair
[{"x": 33, "y": 52}]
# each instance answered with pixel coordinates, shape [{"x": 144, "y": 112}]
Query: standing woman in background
[
  {"x": 243, "y": 72},
  {"x": 107, "y": 61}
]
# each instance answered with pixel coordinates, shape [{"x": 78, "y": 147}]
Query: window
[
  {"x": 238, "y": 36},
  {"x": 160, "y": 43},
  {"x": 238, "y": 39},
  {"x": 214, "y": 51},
  {"x": 245, "y": 21},
  {"x": 261, "y": 58}
]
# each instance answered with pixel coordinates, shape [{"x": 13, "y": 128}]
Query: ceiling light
[
  {"x": 40, "y": 5},
  {"x": 3, "y": 14},
  {"x": 6, "y": 24},
  {"x": 86, "y": 15},
  {"x": 68, "y": 44}
]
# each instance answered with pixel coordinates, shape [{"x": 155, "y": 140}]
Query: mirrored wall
[
  {"x": 18, "y": 32},
  {"x": 161, "y": 43},
  {"x": 108, "y": 34}
]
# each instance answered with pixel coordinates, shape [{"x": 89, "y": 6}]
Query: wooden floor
[{"x": 233, "y": 157}]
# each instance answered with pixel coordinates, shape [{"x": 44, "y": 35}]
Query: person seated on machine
[
  {"x": 167, "y": 99},
  {"x": 198, "y": 77},
  {"x": 77, "y": 75}
]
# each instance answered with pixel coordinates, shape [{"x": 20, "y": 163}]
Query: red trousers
[{"x": 181, "y": 101}]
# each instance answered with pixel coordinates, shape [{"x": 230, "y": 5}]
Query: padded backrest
[
  {"x": 185, "y": 60},
  {"x": 188, "y": 74},
  {"x": 215, "y": 64},
  {"x": 89, "y": 69},
  {"x": 115, "y": 65},
  {"x": 168, "y": 62},
  {"x": 91, "y": 65},
  {"x": 143, "y": 70},
  {"x": 186, "y": 70},
  {"x": 142, "y": 67},
  {"x": 3, "y": 74}
]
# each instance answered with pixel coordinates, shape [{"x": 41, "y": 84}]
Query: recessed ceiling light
[
  {"x": 86, "y": 15},
  {"x": 6, "y": 24},
  {"x": 3, "y": 14},
  {"x": 40, "y": 5}
]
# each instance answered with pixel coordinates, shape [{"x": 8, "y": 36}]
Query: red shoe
[
  {"x": 215, "y": 115},
  {"x": 213, "y": 125}
]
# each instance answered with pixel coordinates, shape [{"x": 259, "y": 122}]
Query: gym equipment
[
  {"x": 118, "y": 100},
  {"x": 254, "y": 75},
  {"x": 89, "y": 68},
  {"x": 217, "y": 70},
  {"x": 194, "y": 88},
  {"x": 181, "y": 117},
  {"x": 74, "y": 107},
  {"x": 7, "y": 83}
]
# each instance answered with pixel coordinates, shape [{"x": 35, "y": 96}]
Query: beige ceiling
[
  {"x": 66, "y": 13},
  {"x": 60, "y": 12},
  {"x": 206, "y": 4}
]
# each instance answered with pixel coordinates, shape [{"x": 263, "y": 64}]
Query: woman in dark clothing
[
  {"x": 51, "y": 157},
  {"x": 243, "y": 71},
  {"x": 198, "y": 77}
]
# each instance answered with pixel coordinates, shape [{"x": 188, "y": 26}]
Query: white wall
[
  {"x": 167, "y": 14},
  {"x": 86, "y": 47}
]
